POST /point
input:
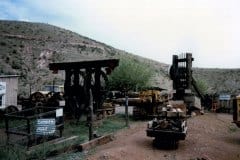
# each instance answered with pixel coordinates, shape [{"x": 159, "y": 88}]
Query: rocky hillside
[
  {"x": 26, "y": 49},
  {"x": 219, "y": 80}
]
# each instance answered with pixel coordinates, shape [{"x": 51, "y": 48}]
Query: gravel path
[{"x": 210, "y": 137}]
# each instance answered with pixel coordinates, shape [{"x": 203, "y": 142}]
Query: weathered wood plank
[{"x": 96, "y": 142}]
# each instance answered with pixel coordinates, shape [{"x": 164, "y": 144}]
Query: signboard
[
  {"x": 2, "y": 87},
  {"x": 225, "y": 97},
  {"x": 45, "y": 126},
  {"x": 59, "y": 112},
  {"x": 62, "y": 103}
]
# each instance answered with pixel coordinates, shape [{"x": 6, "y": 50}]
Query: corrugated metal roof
[
  {"x": 8, "y": 76},
  {"x": 224, "y": 97}
]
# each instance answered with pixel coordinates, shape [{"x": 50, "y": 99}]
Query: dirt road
[{"x": 210, "y": 137}]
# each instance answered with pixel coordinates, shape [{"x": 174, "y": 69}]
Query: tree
[
  {"x": 130, "y": 75},
  {"x": 202, "y": 86}
]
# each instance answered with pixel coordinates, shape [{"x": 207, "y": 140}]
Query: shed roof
[
  {"x": 9, "y": 76},
  {"x": 84, "y": 64}
]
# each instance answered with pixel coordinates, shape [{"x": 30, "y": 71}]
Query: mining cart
[{"x": 169, "y": 127}]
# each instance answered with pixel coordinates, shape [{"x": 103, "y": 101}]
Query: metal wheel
[{"x": 11, "y": 109}]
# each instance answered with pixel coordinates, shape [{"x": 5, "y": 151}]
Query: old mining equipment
[
  {"x": 149, "y": 102},
  {"x": 50, "y": 96},
  {"x": 170, "y": 125},
  {"x": 146, "y": 103},
  {"x": 83, "y": 78}
]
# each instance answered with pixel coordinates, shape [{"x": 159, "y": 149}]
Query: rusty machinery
[
  {"x": 46, "y": 98},
  {"x": 149, "y": 102},
  {"x": 170, "y": 125},
  {"x": 146, "y": 103},
  {"x": 82, "y": 79},
  {"x": 184, "y": 83}
]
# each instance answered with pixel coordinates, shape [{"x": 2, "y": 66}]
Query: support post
[
  {"x": 29, "y": 132},
  {"x": 7, "y": 128},
  {"x": 189, "y": 69},
  {"x": 90, "y": 128},
  {"x": 126, "y": 110}
]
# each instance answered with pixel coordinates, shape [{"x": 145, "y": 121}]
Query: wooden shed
[{"x": 8, "y": 91}]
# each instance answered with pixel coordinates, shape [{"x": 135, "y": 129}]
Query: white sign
[
  {"x": 225, "y": 97},
  {"x": 45, "y": 126},
  {"x": 3, "y": 87},
  {"x": 62, "y": 103},
  {"x": 59, "y": 112}
]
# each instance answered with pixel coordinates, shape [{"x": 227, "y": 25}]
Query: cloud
[{"x": 153, "y": 29}]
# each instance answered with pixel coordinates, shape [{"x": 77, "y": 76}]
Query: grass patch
[
  {"x": 112, "y": 124},
  {"x": 12, "y": 152}
]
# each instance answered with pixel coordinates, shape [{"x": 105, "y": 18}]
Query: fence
[{"x": 32, "y": 126}]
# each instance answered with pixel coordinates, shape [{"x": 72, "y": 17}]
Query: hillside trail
[{"x": 210, "y": 137}]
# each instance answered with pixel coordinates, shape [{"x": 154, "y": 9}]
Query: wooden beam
[
  {"x": 84, "y": 64},
  {"x": 96, "y": 142}
]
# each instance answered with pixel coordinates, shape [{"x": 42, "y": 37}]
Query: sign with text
[
  {"x": 45, "y": 126},
  {"x": 225, "y": 97},
  {"x": 2, "y": 87},
  {"x": 59, "y": 112}
]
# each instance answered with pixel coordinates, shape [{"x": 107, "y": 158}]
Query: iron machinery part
[
  {"x": 11, "y": 109},
  {"x": 39, "y": 96}
]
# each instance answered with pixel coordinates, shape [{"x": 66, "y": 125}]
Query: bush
[{"x": 130, "y": 75}]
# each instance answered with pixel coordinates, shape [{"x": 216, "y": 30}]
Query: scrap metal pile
[{"x": 169, "y": 127}]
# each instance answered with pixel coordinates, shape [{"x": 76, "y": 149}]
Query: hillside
[
  {"x": 27, "y": 48},
  {"x": 219, "y": 80}
]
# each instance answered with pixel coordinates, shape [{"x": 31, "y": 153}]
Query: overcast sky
[{"x": 155, "y": 29}]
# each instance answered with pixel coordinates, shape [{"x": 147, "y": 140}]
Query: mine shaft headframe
[
  {"x": 87, "y": 69},
  {"x": 83, "y": 76},
  {"x": 181, "y": 71}
]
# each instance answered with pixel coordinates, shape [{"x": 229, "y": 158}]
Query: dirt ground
[{"x": 210, "y": 137}]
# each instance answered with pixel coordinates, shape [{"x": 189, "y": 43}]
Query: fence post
[{"x": 126, "y": 110}]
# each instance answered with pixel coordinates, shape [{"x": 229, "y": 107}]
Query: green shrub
[{"x": 129, "y": 75}]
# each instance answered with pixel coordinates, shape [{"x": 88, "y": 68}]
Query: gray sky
[{"x": 155, "y": 29}]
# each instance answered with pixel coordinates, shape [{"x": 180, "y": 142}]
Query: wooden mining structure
[{"x": 84, "y": 85}]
